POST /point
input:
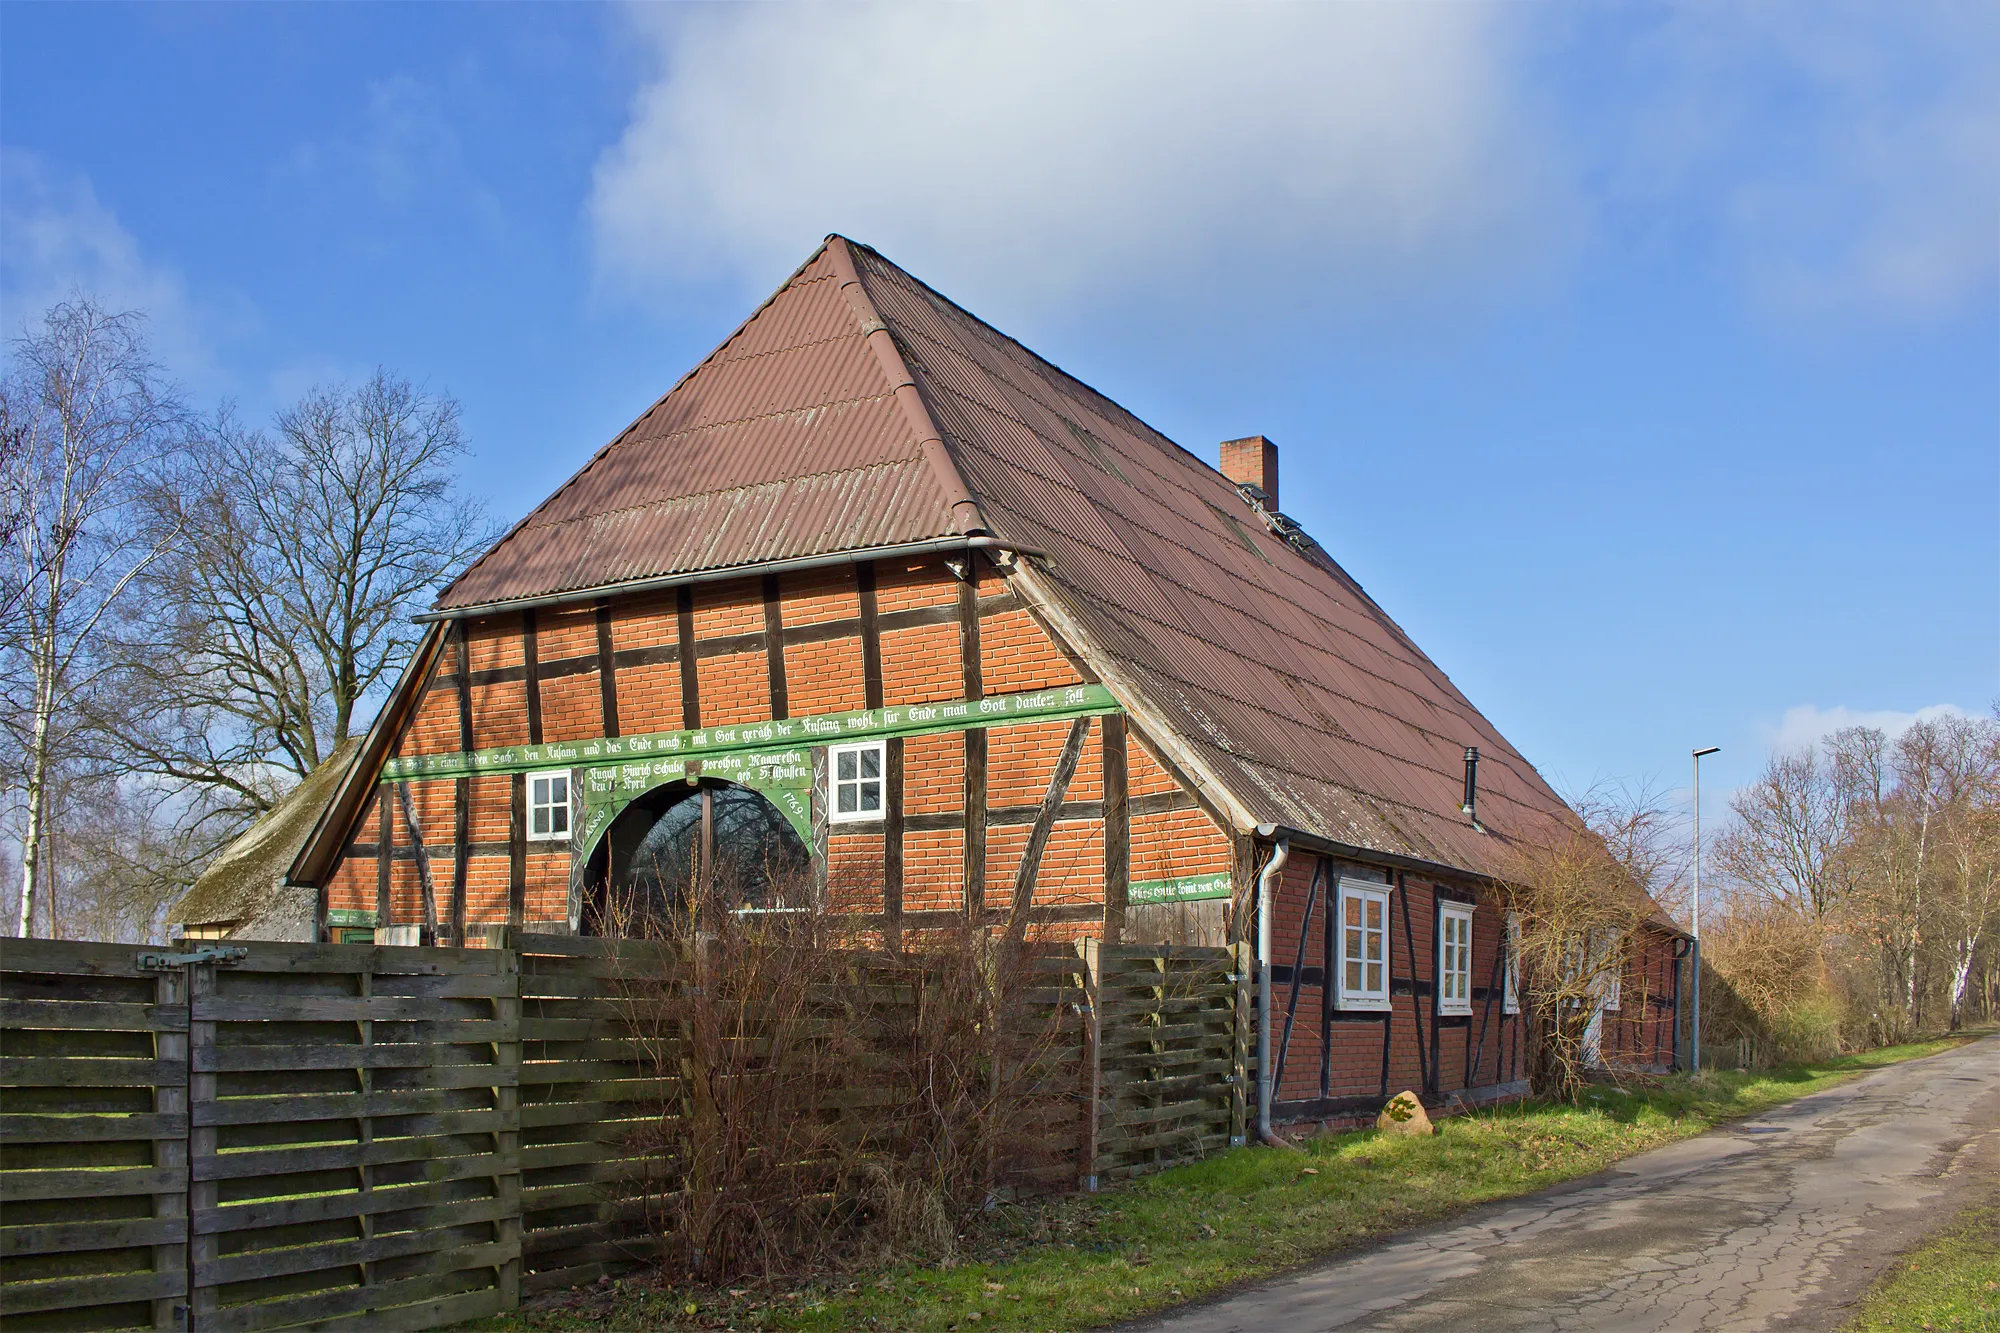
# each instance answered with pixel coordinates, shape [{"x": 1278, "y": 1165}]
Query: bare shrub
[
  {"x": 1767, "y": 988},
  {"x": 832, "y": 1101},
  {"x": 1576, "y": 917}
]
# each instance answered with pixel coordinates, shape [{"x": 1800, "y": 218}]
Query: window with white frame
[
  {"x": 855, "y": 782},
  {"x": 548, "y": 806},
  {"x": 1510, "y": 977},
  {"x": 1454, "y": 993},
  {"x": 1610, "y": 966},
  {"x": 1364, "y": 945}
]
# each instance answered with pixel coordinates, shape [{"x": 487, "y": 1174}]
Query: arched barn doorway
[{"x": 683, "y": 843}]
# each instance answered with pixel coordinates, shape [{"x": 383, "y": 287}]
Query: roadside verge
[{"x": 1083, "y": 1261}]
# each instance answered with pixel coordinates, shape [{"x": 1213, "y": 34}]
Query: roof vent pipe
[{"x": 1471, "y": 802}]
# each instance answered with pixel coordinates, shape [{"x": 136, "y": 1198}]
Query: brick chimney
[{"x": 1253, "y": 461}]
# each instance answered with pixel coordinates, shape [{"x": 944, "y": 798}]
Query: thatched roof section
[{"x": 240, "y": 884}]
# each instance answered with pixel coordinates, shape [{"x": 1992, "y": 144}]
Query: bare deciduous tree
[
  {"x": 1791, "y": 827},
  {"x": 1647, "y": 838},
  {"x": 1965, "y": 776},
  {"x": 305, "y": 551},
  {"x": 92, "y": 419},
  {"x": 1884, "y": 852}
]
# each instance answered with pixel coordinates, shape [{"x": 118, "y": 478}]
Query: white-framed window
[
  {"x": 1454, "y": 993},
  {"x": 1611, "y": 966},
  {"x": 854, "y": 782},
  {"x": 1364, "y": 945},
  {"x": 1510, "y": 976},
  {"x": 548, "y": 806}
]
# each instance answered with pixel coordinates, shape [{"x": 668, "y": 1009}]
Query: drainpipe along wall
[{"x": 1267, "y": 908}]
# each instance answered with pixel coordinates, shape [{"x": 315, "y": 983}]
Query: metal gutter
[
  {"x": 1267, "y": 892},
  {"x": 1348, "y": 851},
  {"x": 928, "y": 546}
]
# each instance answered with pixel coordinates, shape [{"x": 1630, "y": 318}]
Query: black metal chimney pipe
[{"x": 1471, "y": 779}]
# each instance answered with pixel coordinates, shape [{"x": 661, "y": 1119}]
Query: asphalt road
[{"x": 1775, "y": 1223}]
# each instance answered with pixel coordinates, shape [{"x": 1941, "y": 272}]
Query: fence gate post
[
  {"x": 507, "y": 1095},
  {"x": 1240, "y": 1071},
  {"x": 1093, "y": 1064},
  {"x": 170, "y": 990},
  {"x": 203, "y": 1196}
]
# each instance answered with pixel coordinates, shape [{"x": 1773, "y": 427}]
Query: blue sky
[{"x": 1643, "y": 360}]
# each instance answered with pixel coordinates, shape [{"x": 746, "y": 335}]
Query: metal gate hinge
[{"x": 166, "y": 962}]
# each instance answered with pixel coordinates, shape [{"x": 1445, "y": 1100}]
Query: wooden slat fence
[
  {"x": 93, "y": 1138},
  {"x": 587, "y": 1083},
  {"x": 372, "y": 1137},
  {"x": 1171, "y": 1059},
  {"x": 354, "y": 1149}
]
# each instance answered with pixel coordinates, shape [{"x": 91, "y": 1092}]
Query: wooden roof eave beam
[
  {"x": 854, "y": 556},
  {"x": 316, "y": 855}
]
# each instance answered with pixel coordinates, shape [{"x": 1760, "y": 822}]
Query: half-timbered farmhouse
[{"x": 876, "y": 593}]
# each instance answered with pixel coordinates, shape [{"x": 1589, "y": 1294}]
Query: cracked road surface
[{"x": 1779, "y": 1222}]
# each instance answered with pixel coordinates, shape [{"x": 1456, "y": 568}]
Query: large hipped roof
[{"x": 860, "y": 409}]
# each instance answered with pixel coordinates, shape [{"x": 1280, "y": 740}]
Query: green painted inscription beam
[{"x": 710, "y": 743}]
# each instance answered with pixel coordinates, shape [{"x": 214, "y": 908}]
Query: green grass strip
[
  {"x": 1951, "y": 1283},
  {"x": 1084, "y": 1260}
]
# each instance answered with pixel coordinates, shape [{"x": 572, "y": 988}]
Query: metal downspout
[{"x": 1267, "y": 891}]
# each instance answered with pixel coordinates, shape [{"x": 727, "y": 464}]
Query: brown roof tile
[{"x": 1273, "y": 674}]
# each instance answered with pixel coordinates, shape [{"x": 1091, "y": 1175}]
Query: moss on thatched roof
[{"x": 240, "y": 883}]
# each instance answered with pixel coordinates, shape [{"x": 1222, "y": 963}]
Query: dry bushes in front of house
[
  {"x": 830, "y": 1100},
  {"x": 1576, "y": 916}
]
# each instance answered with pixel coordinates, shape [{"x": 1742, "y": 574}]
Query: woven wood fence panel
[
  {"x": 93, "y": 1138},
  {"x": 354, "y": 1152},
  {"x": 588, "y": 1082},
  {"x": 1171, "y": 1060},
  {"x": 363, "y": 1137}
]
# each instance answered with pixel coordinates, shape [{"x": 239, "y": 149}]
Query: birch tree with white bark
[{"x": 94, "y": 419}]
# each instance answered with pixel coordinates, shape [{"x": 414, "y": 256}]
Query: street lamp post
[{"x": 1695, "y": 1062}]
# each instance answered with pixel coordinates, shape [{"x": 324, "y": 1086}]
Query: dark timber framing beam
[
  {"x": 531, "y": 675},
  {"x": 973, "y": 893},
  {"x": 385, "y": 849},
  {"x": 461, "y": 788},
  {"x": 774, "y": 647},
  {"x": 1329, "y": 989},
  {"x": 1117, "y": 828},
  {"x": 607, "y": 670},
  {"x": 461, "y": 837},
  {"x": 871, "y": 636},
  {"x": 892, "y": 758},
  {"x": 1416, "y": 999},
  {"x": 1298, "y": 971},
  {"x": 892, "y": 842},
  {"x": 517, "y": 850},
  {"x": 690, "y": 678},
  {"x": 425, "y": 883},
  {"x": 1038, "y": 834}
]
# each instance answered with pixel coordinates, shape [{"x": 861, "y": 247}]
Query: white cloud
[
  {"x": 1829, "y": 156},
  {"x": 1072, "y": 147},
  {"x": 57, "y": 238},
  {"x": 1807, "y": 725},
  {"x": 402, "y": 150},
  {"x": 1839, "y": 156}
]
